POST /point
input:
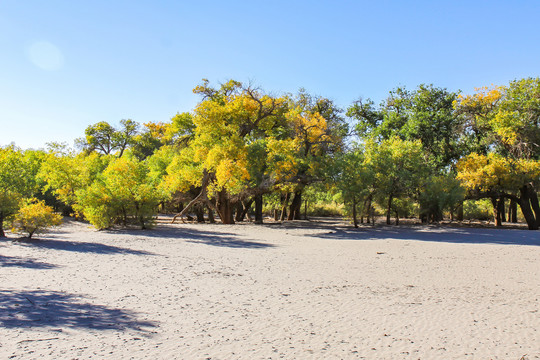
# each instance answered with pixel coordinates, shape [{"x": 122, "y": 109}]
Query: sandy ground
[{"x": 295, "y": 291}]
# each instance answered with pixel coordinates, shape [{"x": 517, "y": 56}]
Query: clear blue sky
[{"x": 67, "y": 64}]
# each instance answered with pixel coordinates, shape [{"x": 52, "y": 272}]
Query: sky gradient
[{"x": 67, "y": 64}]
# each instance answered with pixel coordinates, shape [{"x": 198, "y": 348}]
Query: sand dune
[{"x": 295, "y": 291}]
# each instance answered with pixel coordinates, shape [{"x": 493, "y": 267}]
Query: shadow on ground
[
  {"x": 196, "y": 236},
  {"x": 37, "y": 308},
  {"x": 438, "y": 234},
  {"x": 29, "y": 263},
  {"x": 79, "y": 246}
]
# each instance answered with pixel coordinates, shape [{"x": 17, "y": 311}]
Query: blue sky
[{"x": 67, "y": 64}]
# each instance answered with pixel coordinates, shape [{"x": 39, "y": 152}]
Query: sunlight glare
[{"x": 46, "y": 56}]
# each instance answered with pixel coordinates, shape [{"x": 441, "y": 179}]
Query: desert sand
[{"x": 303, "y": 290}]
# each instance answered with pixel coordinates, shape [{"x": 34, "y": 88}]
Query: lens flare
[{"x": 46, "y": 56}]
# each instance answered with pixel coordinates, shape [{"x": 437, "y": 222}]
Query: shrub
[{"x": 35, "y": 217}]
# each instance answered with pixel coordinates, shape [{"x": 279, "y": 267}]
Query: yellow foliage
[
  {"x": 494, "y": 172},
  {"x": 482, "y": 104},
  {"x": 281, "y": 157},
  {"x": 157, "y": 130},
  {"x": 35, "y": 217}
]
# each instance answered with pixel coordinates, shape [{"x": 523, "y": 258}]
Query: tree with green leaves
[
  {"x": 123, "y": 193},
  {"x": 317, "y": 134},
  {"x": 354, "y": 179},
  {"x": 105, "y": 139},
  {"x": 398, "y": 166},
  {"x": 425, "y": 114}
]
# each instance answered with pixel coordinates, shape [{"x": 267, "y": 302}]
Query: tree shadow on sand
[
  {"x": 79, "y": 246},
  {"x": 438, "y": 234},
  {"x": 29, "y": 263},
  {"x": 37, "y": 308},
  {"x": 198, "y": 236}
]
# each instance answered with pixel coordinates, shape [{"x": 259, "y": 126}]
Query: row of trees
[{"x": 423, "y": 151}]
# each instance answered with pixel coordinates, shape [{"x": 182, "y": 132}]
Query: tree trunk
[
  {"x": 512, "y": 211},
  {"x": 397, "y": 217},
  {"x": 305, "y": 209},
  {"x": 496, "y": 212},
  {"x": 525, "y": 205},
  {"x": 225, "y": 207},
  {"x": 372, "y": 213},
  {"x": 533, "y": 197},
  {"x": 355, "y": 220},
  {"x": 296, "y": 206},
  {"x": 240, "y": 212},
  {"x": 243, "y": 209},
  {"x": 368, "y": 209},
  {"x": 284, "y": 203},
  {"x": 258, "y": 209},
  {"x": 211, "y": 219},
  {"x": 124, "y": 216},
  {"x": 389, "y": 209},
  {"x": 2, "y": 233},
  {"x": 460, "y": 212},
  {"x": 199, "y": 211},
  {"x": 201, "y": 197},
  {"x": 502, "y": 209}
]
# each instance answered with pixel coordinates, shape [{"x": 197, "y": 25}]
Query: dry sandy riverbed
[{"x": 294, "y": 291}]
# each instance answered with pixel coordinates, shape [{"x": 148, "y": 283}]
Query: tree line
[{"x": 420, "y": 152}]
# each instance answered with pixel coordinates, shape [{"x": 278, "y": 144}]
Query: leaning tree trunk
[
  {"x": 242, "y": 209},
  {"x": 533, "y": 198},
  {"x": 525, "y": 204},
  {"x": 296, "y": 206},
  {"x": 202, "y": 197}
]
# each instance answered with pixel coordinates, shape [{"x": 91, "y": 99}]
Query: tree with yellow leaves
[
  {"x": 507, "y": 168},
  {"x": 231, "y": 125},
  {"x": 34, "y": 217}
]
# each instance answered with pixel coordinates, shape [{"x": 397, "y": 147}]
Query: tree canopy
[{"x": 419, "y": 153}]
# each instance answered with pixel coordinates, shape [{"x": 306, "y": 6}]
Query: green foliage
[
  {"x": 517, "y": 121},
  {"x": 478, "y": 209},
  {"x": 419, "y": 151},
  {"x": 425, "y": 114},
  {"x": 439, "y": 194},
  {"x": 105, "y": 139},
  {"x": 34, "y": 217},
  {"x": 123, "y": 194}
]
